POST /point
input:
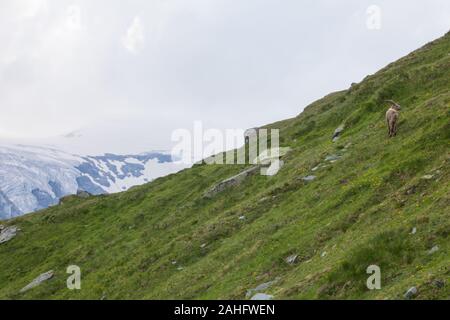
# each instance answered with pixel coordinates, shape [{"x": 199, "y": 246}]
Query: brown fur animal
[{"x": 392, "y": 116}]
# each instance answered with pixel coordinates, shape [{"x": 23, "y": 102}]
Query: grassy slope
[{"x": 357, "y": 210}]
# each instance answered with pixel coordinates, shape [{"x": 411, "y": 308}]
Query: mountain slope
[
  {"x": 34, "y": 178},
  {"x": 165, "y": 240}
]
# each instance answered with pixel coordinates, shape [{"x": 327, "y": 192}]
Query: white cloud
[
  {"x": 134, "y": 38},
  {"x": 31, "y": 8},
  {"x": 73, "y": 21},
  {"x": 65, "y": 65}
]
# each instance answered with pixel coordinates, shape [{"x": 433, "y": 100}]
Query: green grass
[{"x": 360, "y": 211}]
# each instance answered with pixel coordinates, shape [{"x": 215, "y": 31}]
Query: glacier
[{"x": 35, "y": 177}]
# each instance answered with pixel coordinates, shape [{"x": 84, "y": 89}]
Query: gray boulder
[
  {"x": 332, "y": 157},
  {"x": 83, "y": 194},
  {"x": 231, "y": 182},
  {"x": 7, "y": 233},
  {"x": 261, "y": 287},
  {"x": 43, "y": 277},
  {"x": 433, "y": 250},
  {"x": 338, "y": 132},
  {"x": 292, "y": 259},
  {"x": 262, "y": 296},
  {"x": 309, "y": 178},
  {"x": 410, "y": 293}
]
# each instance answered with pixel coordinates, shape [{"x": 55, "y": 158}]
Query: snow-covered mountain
[{"x": 34, "y": 178}]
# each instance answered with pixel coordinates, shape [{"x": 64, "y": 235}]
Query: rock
[
  {"x": 338, "y": 132},
  {"x": 263, "y": 199},
  {"x": 2, "y": 227},
  {"x": 242, "y": 218},
  {"x": 292, "y": 259},
  {"x": 7, "y": 233},
  {"x": 309, "y": 178},
  {"x": 231, "y": 182},
  {"x": 83, "y": 194},
  {"x": 411, "y": 190},
  {"x": 414, "y": 230},
  {"x": 323, "y": 254},
  {"x": 439, "y": 283},
  {"x": 174, "y": 262},
  {"x": 262, "y": 296},
  {"x": 261, "y": 287},
  {"x": 433, "y": 250},
  {"x": 332, "y": 157},
  {"x": 203, "y": 246},
  {"x": 428, "y": 177},
  {"x": 410, "y": 293},
  {"x": 315, "y": 168},
  {"x": 43, "y": 277}
]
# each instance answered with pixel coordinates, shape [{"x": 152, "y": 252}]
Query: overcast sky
[{"x": 123, "y": 75}]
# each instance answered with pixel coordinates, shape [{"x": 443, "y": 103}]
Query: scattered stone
[
  {"x": 43, "y": 277},
  {"x": 262, "y": 296},
  {"x": 292, "y": 259},
  {"x": 410, "y": 293},
  {"x": 180, "y": 268},
  {"x": 337, "y": 132},
  {"x": 2, "y": 227},
  {"x": 439, "y": 283},
  {"x": 315, "y": 168},
  {"x": 411, "y": 190},
  {"x": 242, "y": 218},
  {"x": 231, "y": 182},
  {"x": 263, "y": 199},
  {"x": 428, "y": 177},
  {"x": 433, "y": 250},
  {"x": 174, "y": 262},
  {"x": 309, "y": 178},
  {"x": 323, "y": 254},
  {"x": 262, "y": 287},
  {"x": 414, "y": 230},
  {"x": 332, "y": 157},
  {"x": 203, "y": 246},
  {"x": 7, "y": 233}
]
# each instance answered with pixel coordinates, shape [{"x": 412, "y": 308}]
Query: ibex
[{"x": 392, "y": 118}]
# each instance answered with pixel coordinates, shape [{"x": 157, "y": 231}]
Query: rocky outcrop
[
  {"x": 43, "y": 277},
  {"x": 268, "y": 162},
  {"x": 7, "y": 233},
  {"x": 292, "y": 259},
  {"x": 83, "y": 194},
  {"x": 259, "y": 289},
  {"x": 411, "y": 293},
  {"x": 337, "y": 133},
  {"x": 231, "y": 182},
  {"x": 309, "y": 178},
  {"x": 262, "y": 296}
]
